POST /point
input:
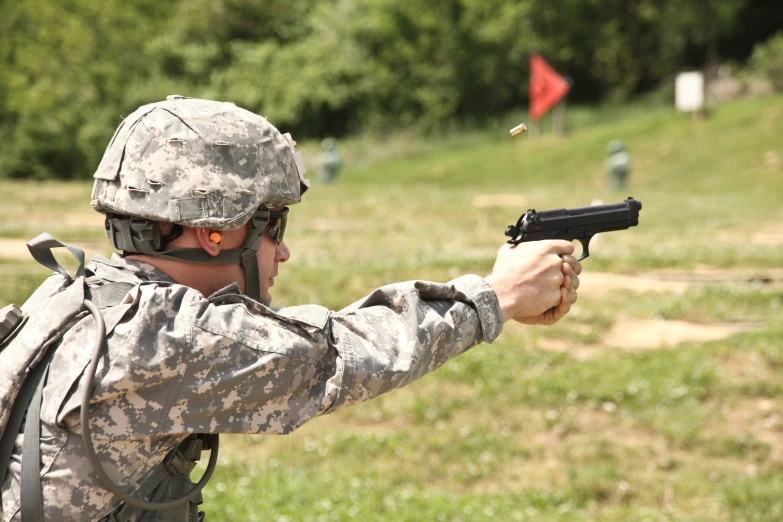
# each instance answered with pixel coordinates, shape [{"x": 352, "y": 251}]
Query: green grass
[{"x": 547, "y": 423}]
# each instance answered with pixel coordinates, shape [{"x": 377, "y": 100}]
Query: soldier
[
  {"x": 618, "y": 165},
  {"x": 195, "y": 194},
  {"x": 329, "y": 162}
]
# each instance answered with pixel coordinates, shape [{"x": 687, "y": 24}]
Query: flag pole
[
  {"x": 558, "y": 118},
  {"x": 535, "y": 127}
]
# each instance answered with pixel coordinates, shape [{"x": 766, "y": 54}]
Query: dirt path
[
  {"x": 596, "y": 284},
  {"x": 646, "y": 334},
  {"x": 16, "y": 249}
]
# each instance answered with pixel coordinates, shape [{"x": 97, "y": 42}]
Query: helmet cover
[{"x": 197, "y": 163}]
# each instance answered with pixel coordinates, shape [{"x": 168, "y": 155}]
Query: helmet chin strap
[
  {"x": 249, "y": 256},
  {"x": 132, "y": 236}
]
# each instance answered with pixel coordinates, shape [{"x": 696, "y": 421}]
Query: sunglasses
[{"x": 274, "y": 221}]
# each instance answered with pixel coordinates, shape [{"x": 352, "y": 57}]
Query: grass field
[{"x": 659, "y": 397}]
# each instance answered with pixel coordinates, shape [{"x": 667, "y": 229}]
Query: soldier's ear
[{"x": 207, "y": 240}]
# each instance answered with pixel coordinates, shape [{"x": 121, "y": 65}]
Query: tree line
[{"x": 71, "y": 69}]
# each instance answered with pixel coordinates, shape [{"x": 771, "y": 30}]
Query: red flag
[{"x": 546, "y": 87}]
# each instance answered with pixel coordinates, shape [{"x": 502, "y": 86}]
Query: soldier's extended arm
[{"x": 253, "y": 370}]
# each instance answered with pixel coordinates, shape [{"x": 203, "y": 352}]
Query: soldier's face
[{"x": 270, "y": 255}]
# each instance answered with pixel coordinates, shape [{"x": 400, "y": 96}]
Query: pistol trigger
[{"x": 585, "y": 247}]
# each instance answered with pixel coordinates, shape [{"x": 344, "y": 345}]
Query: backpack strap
[
  {"x": 32, "y": 492},
  {"x": 18, "y": 413},
  {"x": 108, "y": 295},
  {"x": 41, "y": 249},
  {"x": 27, "y": 403},
  {"x": 31, "y": 489}
]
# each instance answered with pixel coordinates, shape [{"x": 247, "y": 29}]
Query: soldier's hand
[
  {"x": 571, "y": 269},
  {"x": 536, "y": 282}
]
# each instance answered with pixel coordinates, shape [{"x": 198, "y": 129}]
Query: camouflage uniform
[
  {"x": 177, "y": 362},
  {"x": 182, "y": 363}
]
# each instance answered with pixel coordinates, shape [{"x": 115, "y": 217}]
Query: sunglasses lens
[
  {"x": 278, "y": 220},
  {"x": 281, "y": 227}
]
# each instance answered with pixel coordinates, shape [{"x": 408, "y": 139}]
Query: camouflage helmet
[
  {"x": 197, "y": 163},
  {"x": 615, "y": 146}
]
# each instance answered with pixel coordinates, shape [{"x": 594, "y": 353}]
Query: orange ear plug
[{"x": 215, "y": 237}]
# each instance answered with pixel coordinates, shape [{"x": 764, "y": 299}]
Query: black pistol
[{"x": 579, "y": 224}]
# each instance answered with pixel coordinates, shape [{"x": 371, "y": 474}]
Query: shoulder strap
[
  {"x": 18, "y": 413},
  {"x": 41, "y": 248},
  {"x": 32, "y": 492},
  {"x": 108, "y": 295}
]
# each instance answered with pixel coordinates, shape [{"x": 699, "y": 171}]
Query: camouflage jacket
[{"x": 179, "y": 363}]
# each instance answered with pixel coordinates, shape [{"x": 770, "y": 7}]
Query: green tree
[
  {"x": 65, "y": 65},
  {"x": 70, "y": 69}
]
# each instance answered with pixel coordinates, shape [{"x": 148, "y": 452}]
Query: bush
[{"x": 767, "y": 60}]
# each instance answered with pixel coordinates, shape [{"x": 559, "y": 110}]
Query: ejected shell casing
[{"x": 519, "y": 129}]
